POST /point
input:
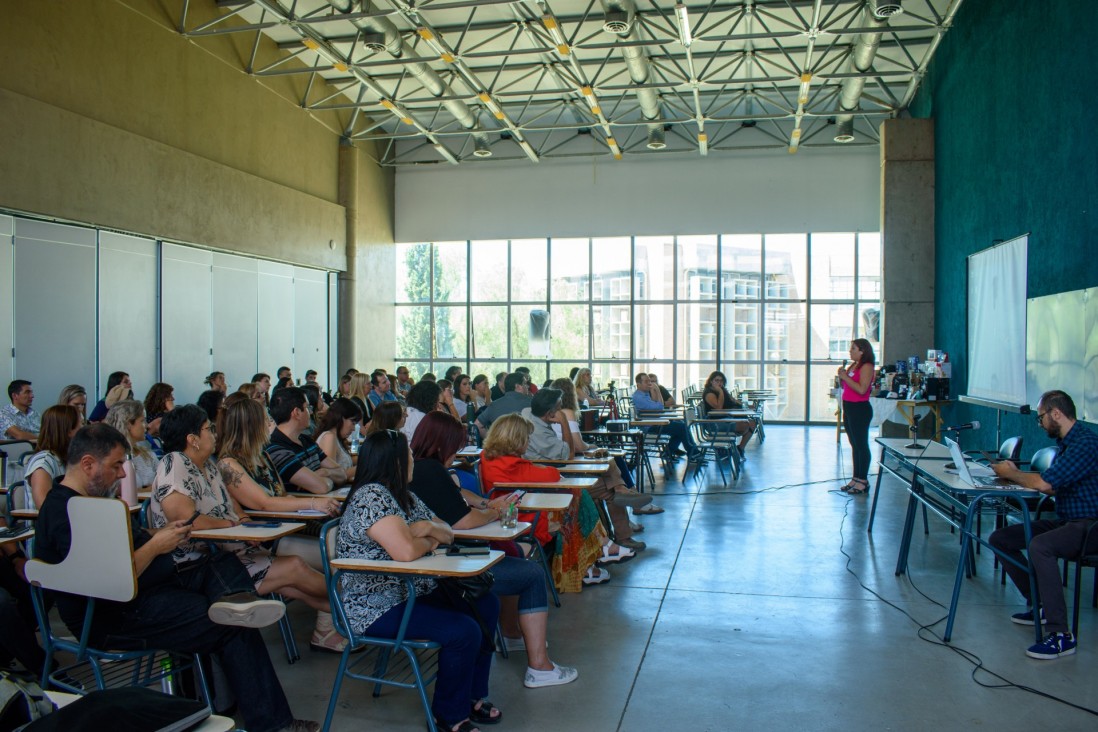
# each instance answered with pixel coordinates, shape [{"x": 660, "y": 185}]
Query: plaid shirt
[{"x": 1074, "y": 474}]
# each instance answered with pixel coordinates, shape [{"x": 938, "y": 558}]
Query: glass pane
[
  {"x": 869, "y": 323},
  {"x": 570, "y": 269},
  {"x": 450, "y": 271},
  {"x": 689, "y": 374},
  {"x": 489, "y": 332},
  {"x": 520, "y": 333},
  {"x": 413, "y": 273},
  {"x": 450, "y": 333},
  {"x": 832, "y": 266},
  {"x": 569, "y": 332},
  {"x": 784, "y": 332},
  {"x": 739, "y": 332},
  {"x": 561, "y": 369},
  {"x": 869, "y": 266},
  {"x": 697, "y": 268},
  {"x": 786, "y": 268},
  {"x": 617, "y": 373},
  {"x": 610, "y": 268},
  {"x": 654, "y": 264},
  {"x": 413, "y": 327},
  {"x": 415, "y": 368},
  {"x": 529, "y": 258},
  {"x": 488, "y": 267},
  {"x": 787, "y": 381},
  {"x": 822, "y": 404},
  {"x": 612, "y": 328},
  {"x": 653, "y": 328},
  {"x": 741, "y": 376},
  {"x": 539, "y": 371},
  {"x": 832, "y": 331},
  {"x": 741, "y": 267},
  {"x": 489, "y": 369},
  {"x": 697, "y": 334}
]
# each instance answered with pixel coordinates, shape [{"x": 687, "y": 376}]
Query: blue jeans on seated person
[
  {"x": 524, "y": 578},
  {"x": 626, "y": 473},
  {"x": 173, "y": 617},
  {"x": 678, "y": 434},
  {"x": 465, "y": 659}
]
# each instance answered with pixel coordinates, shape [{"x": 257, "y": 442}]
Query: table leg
[
  {"x": 876, "y": 494},
  {"x": 962, "y": 566},
  {"x": 909, "y": 524}
]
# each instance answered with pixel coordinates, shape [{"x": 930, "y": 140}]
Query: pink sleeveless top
[{"x": 849, "y": 395}]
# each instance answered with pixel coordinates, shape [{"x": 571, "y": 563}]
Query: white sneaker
[
  {"x": 557, "y": 676},
  {"x": 246, "y": 610}
]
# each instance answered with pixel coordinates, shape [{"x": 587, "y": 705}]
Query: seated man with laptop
[{"x": 1073, "y": 480}]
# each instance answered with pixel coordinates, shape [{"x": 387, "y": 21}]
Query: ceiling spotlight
[
  {"x": 845, "y": 132},
  {"x": 655, "y": 139},
  {"x": 480, "y": 148}
]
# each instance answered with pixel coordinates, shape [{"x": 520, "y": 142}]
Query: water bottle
[
  {"x": 354, "y": 440},
  {"x": 127, "y": 489},
  {"x": 166, "y": 684}
]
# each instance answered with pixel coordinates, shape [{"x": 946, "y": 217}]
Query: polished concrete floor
[{"x": 765, "y": 605}]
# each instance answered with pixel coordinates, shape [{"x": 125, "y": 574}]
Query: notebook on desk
[{"x": 964, "y": 471}]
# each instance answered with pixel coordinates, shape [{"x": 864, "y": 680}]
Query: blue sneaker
[
  {"x": 1026, "y": 618},
  {"x": 1053, "y": 646}
]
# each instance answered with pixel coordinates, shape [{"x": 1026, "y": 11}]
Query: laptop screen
[{"x": 959, "y": 460}]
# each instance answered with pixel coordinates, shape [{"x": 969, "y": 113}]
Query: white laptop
[{"x": 964, "y": 470}]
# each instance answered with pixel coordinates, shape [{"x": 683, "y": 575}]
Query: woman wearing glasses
[{"x": 383, "y": 520}]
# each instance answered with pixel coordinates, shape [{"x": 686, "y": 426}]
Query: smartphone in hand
[{"x": 191, "y": 520}]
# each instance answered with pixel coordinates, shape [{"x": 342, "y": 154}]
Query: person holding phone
[{"x": 520, "y": 584}]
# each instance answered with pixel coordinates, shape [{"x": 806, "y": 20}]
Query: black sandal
[
  {"x": 465, "y": 726},
  {"x": 861, "y": 486},
  {"x": 483, "y": 715}
]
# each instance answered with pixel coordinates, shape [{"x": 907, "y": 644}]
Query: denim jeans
[
  {"x": 465, "y": 659},
  {"x": 678, "y": 434},
  {"x": 524, "y": 578},
  {"x": 173, "y": 617}
]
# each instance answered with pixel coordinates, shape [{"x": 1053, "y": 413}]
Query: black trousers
[{"x": 856, "y": 419}]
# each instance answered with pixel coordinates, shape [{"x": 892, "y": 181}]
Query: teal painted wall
[{"x": 1012, "y": 92}]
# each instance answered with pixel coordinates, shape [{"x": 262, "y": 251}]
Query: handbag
[{"x": 463, "y": 592}]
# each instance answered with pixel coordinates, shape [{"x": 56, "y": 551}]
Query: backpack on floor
[{"x": 21, "y": 701}]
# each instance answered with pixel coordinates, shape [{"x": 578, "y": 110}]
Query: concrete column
[
  {"x": 348, "y": 300},
  {"x": 907, "y": 238}
]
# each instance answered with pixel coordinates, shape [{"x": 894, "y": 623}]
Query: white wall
[{"x": 764, "y": 192}]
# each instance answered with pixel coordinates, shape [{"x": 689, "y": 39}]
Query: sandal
[
  {"x": 846, "y": 488},
  {"x": 464, "y": 726},
  {"x": 596, "y": 576},
  {"x": 860, "y": 486},
  {"x": 481, "y": 713},
  {"x": 650, "y": 509},
  {"x": 620, "y": 555}
]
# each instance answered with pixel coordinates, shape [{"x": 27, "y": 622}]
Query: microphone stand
[{"x": 914, "y": 429}]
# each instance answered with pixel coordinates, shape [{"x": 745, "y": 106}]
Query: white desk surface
[
  {"x": 31, "y": 514},
  {"x": 492, "y": 531},
  {"x": 952, "y": 481},
  {"x": 545, "y": 501},
  {"x": 581, "y": 468},
  {"x": 432, "y": 565},
  {"x": 469, "y": 451},
  {"x": 339, "y": 494},
  {"x": 935, "y": 450},
  {"x": 248, "y": 533},
  {"x": 564, "y": 482},
  {"x": 21, "y": 536},
  {"x": 304, "y": 515}
]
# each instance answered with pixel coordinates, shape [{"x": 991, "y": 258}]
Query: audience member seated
[
  {"x": 282, "y": 383},
  {"x": 544, "y": 444},
  {"x": 452, "y": 374},
  {"x": 582, "y": 534},
  {"x": 284, "y": 373},
  {"x": 383, "y": 520},
  {"x": 359, "y": 393},
  {"x": 17, "y": 420},
  {"x": 310, "y": 377},
  {"x": 119, "y": 387},
  {"x": 498, "y": 390},
  {"x": 519, "y": 583},
  {"x": 254, "y": 484},
  {"x": 647, "y": 398},
  {"x": 17, "y": 617},
  {"x": 262, "y": 388},
  {"x": 296, "y": 457},
  {"x": 404, "y": 382},
  {"x": 531, "y": 387},
  {"x": 379, "y": 389},
  {"x": 463, "y": 397},
  {"x": 422, "y": 399},
  {"x": 59, "y": 424},
  {"x": 216, "y": 381},
  {"x": 428, "y": 376},
  {"x": 210, "y": 401},
  {"x": 482, "y": 392},
  {"x": 585, "y": 390},
  {"x": 317, "y": 407},
  {"x": 248, "y": 389},
  {"x": 179, "y": 608},
  {"x": 188, "y": 480},
  {"x": 335, "y": 429},
  {"x": 128, "y": 417},
  {"x": 716, "y": 396},
  {"x": 388, "y": 416},
  {"x": 75, "y": 395},
  {"x": 446, "y": 403},
  {"x": 668, "y": 400},
  {"x": 515, "y": 399},
  {"x": 345, "y": 385},
  {"x": 159, "y": 401}
]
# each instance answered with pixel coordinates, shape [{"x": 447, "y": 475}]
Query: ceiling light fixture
[
  {"x": 683, "y": 17},
  {"x": 480, "y": 148}
]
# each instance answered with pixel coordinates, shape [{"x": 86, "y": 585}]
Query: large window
[{"x": 773, "y": 311}]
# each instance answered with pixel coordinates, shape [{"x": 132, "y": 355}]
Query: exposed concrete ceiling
[{"x": 476, "y": 81}]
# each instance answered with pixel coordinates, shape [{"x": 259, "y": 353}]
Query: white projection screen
[{"x": 997, "y": 280}]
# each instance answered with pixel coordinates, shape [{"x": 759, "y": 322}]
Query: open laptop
[{"x": 964, "y": 472}]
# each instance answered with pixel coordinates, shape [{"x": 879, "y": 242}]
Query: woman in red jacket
[{"x": 581, "y": 534}]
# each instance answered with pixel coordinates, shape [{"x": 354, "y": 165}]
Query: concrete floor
[{"x": 766, "y": 606}]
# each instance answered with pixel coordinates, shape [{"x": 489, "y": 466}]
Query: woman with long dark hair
[
  {"x": 716, "y": 396},
  {"x": 383, "y": 520},
  {"x": 857, "y": 383}
]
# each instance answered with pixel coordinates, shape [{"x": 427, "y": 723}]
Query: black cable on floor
[{"x": 926, "y": 629}]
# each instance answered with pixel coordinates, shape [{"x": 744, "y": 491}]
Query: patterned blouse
[
  {"x": 369, "y": 596},
  {"x": 203, "y": 485}
]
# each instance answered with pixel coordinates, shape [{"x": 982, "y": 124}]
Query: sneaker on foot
[
  {"x": 1053, "y": 646},
  {"x": 246, "y": 610},
  {"x": 1026, "y": 618},
  {"x": 558, "y": 675}
]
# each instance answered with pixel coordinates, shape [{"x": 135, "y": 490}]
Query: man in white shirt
[{"x": 17, "y": 420}]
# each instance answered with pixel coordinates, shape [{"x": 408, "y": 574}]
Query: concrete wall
[{"x": 111, "y": 117}]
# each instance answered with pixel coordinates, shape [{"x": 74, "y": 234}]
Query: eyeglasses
[{"x": 1041, "y": 417}]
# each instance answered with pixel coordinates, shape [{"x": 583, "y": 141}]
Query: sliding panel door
[
  {"x": 276, "y": 317},
  {"x": 128, "y": 309},
  {"x": 7, "y": 299},
  {"x": 235, "y": 318},
  {"x": 310, "y": 322},
  {"x": 186, "y": 283}
]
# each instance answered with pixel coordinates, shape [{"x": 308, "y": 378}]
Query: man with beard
[
  {"x": 1073, "y": 480},
  {"x": 183, "y": 608}
]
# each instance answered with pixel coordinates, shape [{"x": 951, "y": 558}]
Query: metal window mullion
[{"x": 808, "y": 328}]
